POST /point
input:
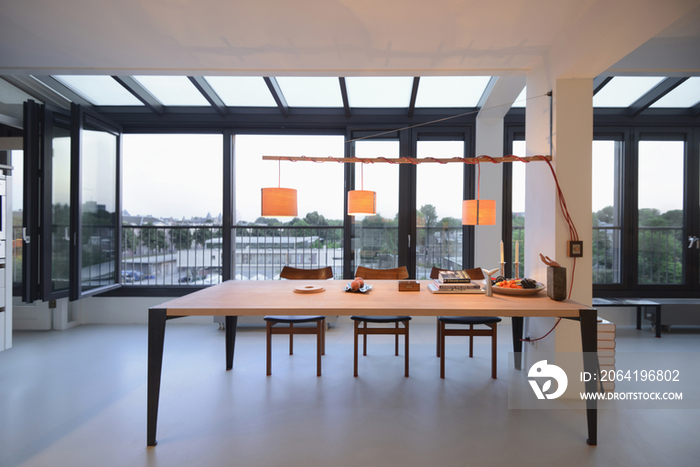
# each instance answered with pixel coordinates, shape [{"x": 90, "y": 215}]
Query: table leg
[
  {"x": 517, "y": 343},
  {"x": 589, "y": 337},
  {"x": 639, "y": 317},
  {"x": 156, "y": 339},
  {"x": 658, "y": 321},
  {"x": 231, "y": 323}
]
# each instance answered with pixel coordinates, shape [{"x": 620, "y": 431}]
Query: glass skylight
[
  {"x": 242, "y": 91},
  {"x": 172, "y": 90},
  {"x": 99, "y": 90},
  {"x": 623, "y": 91},
  {"x": 305, "y": 91},
  {"x": 520, "y": 100},
  {"x": 451, "y": 91},
  {"x": 379, "y": 91},
  {"x": 687, "y": 94}
]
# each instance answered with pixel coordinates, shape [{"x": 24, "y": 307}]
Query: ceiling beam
[
  {"x": 659, "y": 91},
  {"x": 37, "y": 90},
  {"x": 65, "y": 91},
  {"x": 209, "y": 94},
  {"x": 344, "y": 94},
  {"x": 139, "y": 92},
  {"x": 599, "y": 83},
  {"x": 276, "y": 92},
  {"x": 487, "y": 92},
  {"x": 414, "y": 95}
]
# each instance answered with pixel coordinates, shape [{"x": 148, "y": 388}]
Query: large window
[
  {"x": 375, "y": 238},
  {"x": 312, "y": 239},
  {"x": 172, "y": 216},
  {"x": 606, "y": 250},
  {"x": 518, "y": 206},
  {"x": 661, "y": 252},
  {"x": 439, "y": 194}
]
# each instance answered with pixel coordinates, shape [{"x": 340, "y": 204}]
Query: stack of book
[
  {"x": 606, "y": 351},
  {"x": 454, "y": 282}
]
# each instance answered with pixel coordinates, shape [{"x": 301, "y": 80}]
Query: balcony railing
[{"x": 660, "y": 255}]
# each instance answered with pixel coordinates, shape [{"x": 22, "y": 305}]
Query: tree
[
  {"x": 181, "y": 239},
  {"x": 153, "y": 239},
  {"x": 429, "y": 215}
]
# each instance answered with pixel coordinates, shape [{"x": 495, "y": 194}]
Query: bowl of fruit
[
  {"x": 358, "y": 285},
  {"x": 517, "y": 286}
]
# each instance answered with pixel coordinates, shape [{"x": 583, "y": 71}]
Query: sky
[{"x": 181, "y": 175}]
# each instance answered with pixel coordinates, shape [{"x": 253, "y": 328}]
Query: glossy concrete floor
[{"x": 78, "y": 398}]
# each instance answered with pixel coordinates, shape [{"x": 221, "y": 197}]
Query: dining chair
[
  {"x": 382, "y": 274},
  {"x": 320, "y": 328},
  {"x": 442, "y": 331}
]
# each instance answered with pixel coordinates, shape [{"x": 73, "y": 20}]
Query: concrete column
[
  {"x": 487, "y": 241},
  {"x": 546, "y": 230}
]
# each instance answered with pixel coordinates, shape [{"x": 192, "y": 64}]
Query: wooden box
[{"x": 409, "y": 286}]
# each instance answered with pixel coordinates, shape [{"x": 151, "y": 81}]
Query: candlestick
[
  {"x": 517, "y": 250},
  {"x": 517, "y": 269},
  {"x": 503, "y": 268},
  {"x": 502, "y": 254},
  {"x": 489, "y": 289}
]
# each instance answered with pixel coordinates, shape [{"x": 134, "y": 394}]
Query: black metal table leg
[
  {"x": 231, "y": 323},
  {"x": 589, "y": 338},
  {"x": 639, "y": 317},
  {"x": 517, "y": 325},
  {"x": 658, "y": 321},
  {"x": 156, "y": 339}
]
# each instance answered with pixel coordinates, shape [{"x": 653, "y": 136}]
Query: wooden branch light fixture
[
  {"x": 279, "y": 202},
  {"x": 361, "y": 202}
]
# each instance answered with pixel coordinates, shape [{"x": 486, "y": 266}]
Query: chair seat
[
  {"x": 291, "y": 319},
  {"x": 381, "y": 319},
  {"x": 469, "y": 319}
]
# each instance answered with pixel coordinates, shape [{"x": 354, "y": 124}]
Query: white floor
[{"x": 78, "y": 398}]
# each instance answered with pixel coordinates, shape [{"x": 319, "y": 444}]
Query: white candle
[
  {"x": 502, "y": 252},
  {"x": 517, "y": 251}
]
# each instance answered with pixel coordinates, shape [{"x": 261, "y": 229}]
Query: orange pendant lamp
[
  {"x": 479, "y": 211},
  {"x": 362, "y": 202},
  {"x": 279, "y": 202}
]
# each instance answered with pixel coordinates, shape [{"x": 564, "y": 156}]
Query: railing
[
  {"x": 262, "y": 251},
  {"x": 660, "y": 255},
  {"x": 171, "y": 255},
  {"x": 605, "y": 252},
  {"x": 519, "y": 236},
  {"x": 438, "y": 246}
]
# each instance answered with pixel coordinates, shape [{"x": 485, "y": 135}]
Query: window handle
[
  {"x": 24, "y": 235},
  {"x": 692, "y": 240}
]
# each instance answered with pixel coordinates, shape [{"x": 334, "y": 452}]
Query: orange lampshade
[
  {"x": 479, "y": 212},
  {"x": 361, "y": 202},
  {"x": 279, "y": 202}
]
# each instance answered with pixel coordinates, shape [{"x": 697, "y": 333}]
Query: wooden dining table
[{"x": 259, "y": 298}]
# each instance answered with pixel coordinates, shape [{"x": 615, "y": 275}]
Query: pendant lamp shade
[
  {"x": 479, "y": 212},
  {"x": 362, "y": 202},
  {"x": 279, "y": 202}
]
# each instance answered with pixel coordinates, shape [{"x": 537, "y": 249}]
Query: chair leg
[
  {"x": 291, "y": 338},
  {"x": 437, "y": 338},
  {"x": 364, "y": 340},
  {"x": 357, "y": 328},
  {"x": 471, "y": 342},
  {"x": 396, "y": 340},
  {"x": 269, "y": 348},
  {"x": 493, "y": 350},
  {"x": 406, "y": 344},
  {"x": 442, "y": 349},
  {"x": 319, "y": 346}
]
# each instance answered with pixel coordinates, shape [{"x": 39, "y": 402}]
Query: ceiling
[
  {"x": 133, "y": 40},
  {"x": 577, "y": 38}
]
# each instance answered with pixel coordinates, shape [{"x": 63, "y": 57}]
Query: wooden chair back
[
  {"x": 308, "y": 274},
  {"x": 379, "y": 274}
]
